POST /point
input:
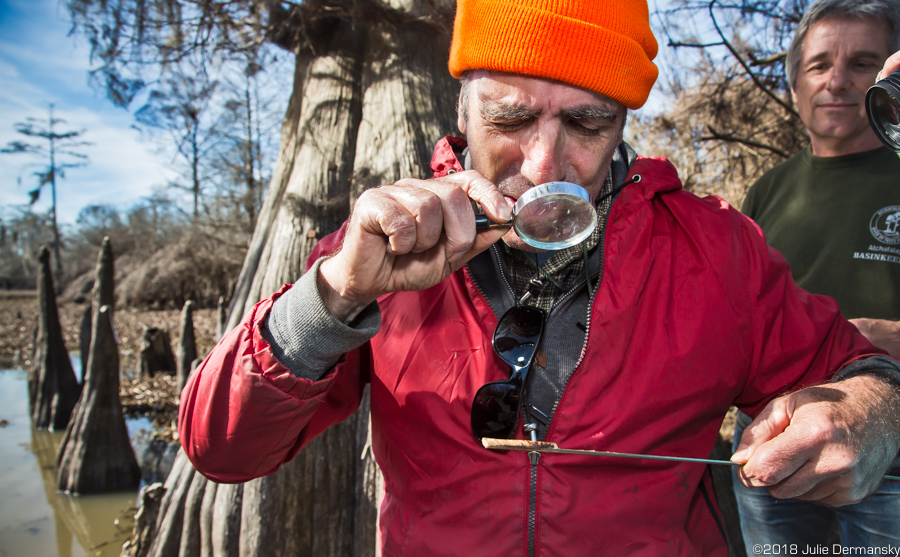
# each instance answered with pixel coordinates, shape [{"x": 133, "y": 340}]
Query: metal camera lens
[{"x": 883, "y": 110}]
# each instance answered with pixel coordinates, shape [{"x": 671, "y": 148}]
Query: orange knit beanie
[{"x": 602, "y": 45}]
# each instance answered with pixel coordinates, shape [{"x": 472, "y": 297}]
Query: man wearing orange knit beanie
[{"x": 634, "y": 339}]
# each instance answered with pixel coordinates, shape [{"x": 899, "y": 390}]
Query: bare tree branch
[
  {"x": 744, "y": 64},
  {"x": 719, "y": 136}
]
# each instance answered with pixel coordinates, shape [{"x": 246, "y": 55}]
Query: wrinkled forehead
[
  {"x": 850, "y": 37},
  {"x": 492, "y": 90}
]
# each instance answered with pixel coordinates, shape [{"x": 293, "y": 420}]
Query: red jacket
[{"x": 693, "y": 313}]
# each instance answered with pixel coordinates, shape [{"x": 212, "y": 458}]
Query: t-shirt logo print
[{"x": 885, "y": 225}]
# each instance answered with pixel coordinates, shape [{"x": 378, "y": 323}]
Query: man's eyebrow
[
  {"x": 818, "y": 57},
  {"x": 826, "y": 56},
  {"x": 878, "y": 56},
  {"x": 592, "y": 112},
  {"x": 494, "y": 110}
]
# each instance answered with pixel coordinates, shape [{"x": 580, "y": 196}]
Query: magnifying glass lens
[
  {"x": 555, "y": 221},
  {"x": 554, "y": 216}
]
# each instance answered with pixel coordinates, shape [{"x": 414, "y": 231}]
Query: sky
[{"x": 40, "y": 65}]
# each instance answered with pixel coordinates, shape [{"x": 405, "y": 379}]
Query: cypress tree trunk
[
  {"x": 369, "y": 102},
  {"x": 52, "y": 386},
  {"x": 310, "y": 190}
]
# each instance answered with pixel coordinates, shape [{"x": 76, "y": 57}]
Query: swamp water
[{"x": 35, "y": 519}]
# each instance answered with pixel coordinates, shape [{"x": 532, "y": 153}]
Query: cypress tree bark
[
  {"x": 52, "y": 385},
  {"x": 150, "y": 500}
]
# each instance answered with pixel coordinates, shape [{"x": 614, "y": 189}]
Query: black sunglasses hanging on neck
[{"x": 495, "y": 410}]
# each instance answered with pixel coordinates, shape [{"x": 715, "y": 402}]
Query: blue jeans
[{"x": 873, "y": 522}]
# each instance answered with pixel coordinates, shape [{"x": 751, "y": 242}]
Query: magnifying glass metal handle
[{"x": 484, "y": 223}]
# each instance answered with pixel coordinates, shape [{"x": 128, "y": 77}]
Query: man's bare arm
[{"x": 830, "y": 443}]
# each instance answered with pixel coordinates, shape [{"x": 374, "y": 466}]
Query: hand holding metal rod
[{"x": 547, "y": 447}]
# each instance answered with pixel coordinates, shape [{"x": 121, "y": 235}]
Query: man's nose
[
  {"x": 838, "y": 80},
  {"x": 544, "y": 157}
]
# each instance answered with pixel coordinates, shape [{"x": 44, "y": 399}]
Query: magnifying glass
[{"x": 552, "y": 216}]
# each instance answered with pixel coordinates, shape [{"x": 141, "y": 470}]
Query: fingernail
[
  {"x": 503, "y": 211},
  {"x": 741, "y": 455}
]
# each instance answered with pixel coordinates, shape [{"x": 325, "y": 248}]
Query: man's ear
[
  {"x": 460, "y": 117},
  {"x": 794, "y": 96}
]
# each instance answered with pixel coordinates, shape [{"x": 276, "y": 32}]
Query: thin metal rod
[
  {"x": 544, "y": 447},
  {"x": 619, "y": 455}
]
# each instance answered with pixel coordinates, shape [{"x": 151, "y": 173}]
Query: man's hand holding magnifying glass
[{"x": 409, "y": 236}]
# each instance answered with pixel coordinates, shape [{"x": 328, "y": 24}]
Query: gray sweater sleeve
[
  {"x": 306, "y": 337},
  {"x": 883, "y": 367}
]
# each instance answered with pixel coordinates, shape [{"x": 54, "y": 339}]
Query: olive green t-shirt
[{"x": 837, "y": 222}]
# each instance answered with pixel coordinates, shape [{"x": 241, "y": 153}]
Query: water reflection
[
  {"x": 99, "y": 522},
  {"x": 35, "y": 519}
]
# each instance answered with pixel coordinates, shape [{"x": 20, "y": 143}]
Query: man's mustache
[{"x": 514, "y": 185}]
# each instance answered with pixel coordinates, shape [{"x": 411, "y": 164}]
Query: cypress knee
[
  {"x": 96, "y": 454},
  {"x": 84, "y": 337},
  {"x": 104, "y": 278},
  {"x": 221, "y": 318},
  {"x": 53, "y": 388},
  {"x": 156, "y": 354},
  {"x": 187, "y": 346}
]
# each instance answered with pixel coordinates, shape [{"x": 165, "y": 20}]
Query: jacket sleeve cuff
[{"x": 306, "y": 337}]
